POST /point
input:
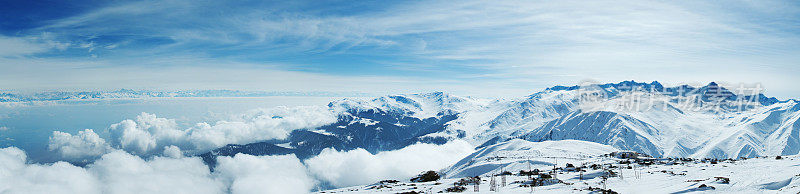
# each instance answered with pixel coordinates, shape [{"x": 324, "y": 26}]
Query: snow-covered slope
[
  {"x": 532, "y": 111},
  {"x": 756, "y": 175},
  {"x": 609, "y": 128},
  {"x": 516, "y": 154},
  {"x": 769, "y": 130}
]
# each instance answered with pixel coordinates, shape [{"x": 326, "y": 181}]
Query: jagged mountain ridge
[
  {"x": 681, "y": 121},
  {"x": 609, "y": 128},
  {"x": 704, "y": 128},
  {"x": 379, "y": 124}
]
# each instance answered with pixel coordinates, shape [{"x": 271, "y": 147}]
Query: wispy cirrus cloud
[
  {"x": 520, "y": 45},
  {"x": 19, "y": 47}
]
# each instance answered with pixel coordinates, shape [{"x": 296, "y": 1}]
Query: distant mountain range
[
  {"x": 682, "y": 121},
  {"x": 130, "y": 94}
]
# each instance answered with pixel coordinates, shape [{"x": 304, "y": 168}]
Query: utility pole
[
  {"x": 529, "y": 174},
  {"x": 605, "y": 177},
  {"x": 583, "y": 165},
  {"x": 502, "y": 177},
  {"x": 529, "y": 168},
  {"x": 503, "y": 180},
  {"x": 555, "y": 174},
  {"x": 492, "y": 184}
]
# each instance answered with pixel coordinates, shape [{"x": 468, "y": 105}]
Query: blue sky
[{"x": 482, "y": 48}]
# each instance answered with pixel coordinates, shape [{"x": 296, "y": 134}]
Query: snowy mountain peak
[
  {"x": 421, "y": 105},
  {"x": 621, "y": 86}
]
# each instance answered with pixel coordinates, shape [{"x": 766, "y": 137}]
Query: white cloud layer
[
  {"x": 173, "y": 152},
  {"x": 18, "y": 177},
  {"x": 260, "y": 124},
  {"x": 145, "y": 134},
  {"x": 86, "y": 144},
  {"x": 264, "y": 174},
  {"x": 119, "y": 172},
  {"x": 358, "y": 167},
  {"x": 150, "y": 135}
]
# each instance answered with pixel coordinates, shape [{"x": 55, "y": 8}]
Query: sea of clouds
[
  {"x": 148, "y": 134},
  {"x": 121, "y": 172},
  {"x": 149, "y": 154}
]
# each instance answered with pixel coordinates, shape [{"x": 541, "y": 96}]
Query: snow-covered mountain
[
  {"x": 379, "y": 124},
  {"x": 681, "y": 121},
  {"x": 610, "y": 128}
]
